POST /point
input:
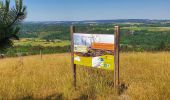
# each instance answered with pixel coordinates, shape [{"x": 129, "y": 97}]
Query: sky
[{"x": 76, "y": 10}]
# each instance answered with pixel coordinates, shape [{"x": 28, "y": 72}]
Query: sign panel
[{"x": 94, "y": 50}]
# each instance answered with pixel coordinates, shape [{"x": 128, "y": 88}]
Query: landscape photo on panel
[{"x": 94, "y": 50}]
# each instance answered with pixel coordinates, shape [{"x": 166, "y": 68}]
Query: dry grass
[{"x": 146, "y": 76}]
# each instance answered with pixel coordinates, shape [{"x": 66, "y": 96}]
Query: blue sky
[{"x": 66, "y": 10}]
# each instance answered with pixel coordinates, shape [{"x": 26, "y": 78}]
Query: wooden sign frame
[{"x": 116, "y": 56}]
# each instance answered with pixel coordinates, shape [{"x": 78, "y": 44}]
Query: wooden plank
[
  {"x": 72, "y": 31},
  {"x": 118, "y": 55},
  {"x": 115, "y": 54},
  {"x": 41, "y": 54},
  {"x": 117, "y": 69}
]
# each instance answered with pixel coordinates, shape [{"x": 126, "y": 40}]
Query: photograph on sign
[{"x": 94, "y": 50}]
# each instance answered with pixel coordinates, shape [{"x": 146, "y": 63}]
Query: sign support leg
[
  {"x": 116, "y": 54},
  {"x": 72, "y": 31}
]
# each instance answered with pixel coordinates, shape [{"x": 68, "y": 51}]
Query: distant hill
[
  {"x": 60, "y": 29},
  {"x": 146, "y": 21},
  {"x": 136, "y": 34}
]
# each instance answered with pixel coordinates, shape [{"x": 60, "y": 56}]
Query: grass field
[
  {"x": 40, "y": 42},
  {"x": 144, "y": 76},
  {"x": 158, "y": 29}
]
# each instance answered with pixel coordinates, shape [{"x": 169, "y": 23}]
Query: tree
[
  {"x": 10, "y": 20},
  {"x": 162, "y": 46}
]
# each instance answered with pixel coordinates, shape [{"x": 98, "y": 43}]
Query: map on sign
[{"x": 94, "y": 50}]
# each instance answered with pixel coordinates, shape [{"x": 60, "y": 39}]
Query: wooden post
[
  {"x": 22, "y": 62},
  {"x": 72, "y": 31},
  {"x": 115, "y": 65},
  {"x": 41, "y": 54},
  {"x": 116, "y": 54},
  {"x": 21, "y": 59}
]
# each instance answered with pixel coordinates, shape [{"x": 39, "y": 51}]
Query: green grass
[
  {"x": 148, "y": 28},
  {"x": 41, "y": 42}
]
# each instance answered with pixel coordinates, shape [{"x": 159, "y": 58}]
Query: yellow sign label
[{"x": 103, "y": 62}]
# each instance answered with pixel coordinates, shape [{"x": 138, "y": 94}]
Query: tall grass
[
  {"x": 147, "y": 75},
  {"x": 144, "y": 76}
]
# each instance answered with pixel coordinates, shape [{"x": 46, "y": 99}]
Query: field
[
  {"x": 144, "y": 76},
  {"x": 33, "y": 46},
  {"x": 41, "y": 42},
  {"x": 134, "y": 36},
  {"x": 157, "y": 29},
  {"x": 52, "y": 38}
]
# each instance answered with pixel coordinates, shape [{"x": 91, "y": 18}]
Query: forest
[{"x": 53, "y": 37}]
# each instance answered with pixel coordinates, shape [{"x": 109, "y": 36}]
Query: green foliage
[
  {"x": 34, "y": 50},
  {"x": 45, "y": 31},
  {"x": 162, "y": 45},
  {"x": 10, "y": 18},
  {"x": 135, "y": 37},
  {"x": 32, "y": 46},
  {"x": 145, "y": 41}
]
